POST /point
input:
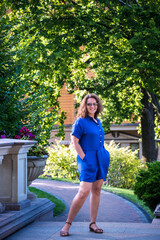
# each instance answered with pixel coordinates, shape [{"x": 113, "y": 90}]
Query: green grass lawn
[{"x": 59, "y": 205}]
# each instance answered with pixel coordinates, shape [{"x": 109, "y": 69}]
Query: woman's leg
[
  {"x": 77, "y": 203},
  {"x": 94, "y": 200}
]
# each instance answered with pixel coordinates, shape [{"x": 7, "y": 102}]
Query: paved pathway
[
  {"x": 112, "y": 207},
  {"x": 119, "y": 218},
  {"x": 79, "y": 231}
]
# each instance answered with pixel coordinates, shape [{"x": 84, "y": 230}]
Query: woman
[{"x": 92, "y": 160}]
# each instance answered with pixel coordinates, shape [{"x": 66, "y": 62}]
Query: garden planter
[{"x": 35, "y": 166}]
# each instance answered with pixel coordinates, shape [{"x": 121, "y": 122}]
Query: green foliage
[
  {"x": 11, "y": 91},
  {"x": 37, "y": 150},
  {"x": 157, "y": 128},
  {"x": 147, "y": 186},
  {"x": 29, "y": 81},
  {"x": 124, "y": 166},
  {"x": 61, "y": 162},
  {"x": 44, "y": 39}
]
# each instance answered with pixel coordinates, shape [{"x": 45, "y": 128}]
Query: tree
[
  {"x": 116, "y": 40},
  {"x": 123, "y": 52},
  {"x": 10, "y": 103},
  {"x": 29, "y": 85},
  {"x": 121, "y": 47}
]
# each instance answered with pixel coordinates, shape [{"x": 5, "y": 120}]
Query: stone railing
[{"x": 13, "y": 173}]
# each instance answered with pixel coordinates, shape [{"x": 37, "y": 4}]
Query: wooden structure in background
[{"x": 67, "y": 105}]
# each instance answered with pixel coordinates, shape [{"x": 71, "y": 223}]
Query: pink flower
[
  {"x": 3, "y": 136},
  {"x": 17, "y": 137},
  {"x": 24, "y": 130}
]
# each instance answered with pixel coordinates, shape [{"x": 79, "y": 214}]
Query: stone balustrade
[
  {"x": 13, "y": 173},
  {"x": 16, "y": 210}
]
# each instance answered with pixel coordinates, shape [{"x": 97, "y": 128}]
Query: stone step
[
  {"x": 43, "y": 230},
  {"x": 11, "y": 221},
  {"x": 2, "y": 208}
]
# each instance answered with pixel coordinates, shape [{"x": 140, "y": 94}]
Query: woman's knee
[
  {"x": 96, "y": 190},
  {"x": 84, "y": 189},
  {"x": 96, "y": 187},
  {"x": 83, "y": 194}
]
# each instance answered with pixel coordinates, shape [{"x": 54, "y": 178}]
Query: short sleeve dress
[{"x": 95, "y": 164}]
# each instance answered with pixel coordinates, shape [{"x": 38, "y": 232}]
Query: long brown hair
[{"x": 82, "y": 111}]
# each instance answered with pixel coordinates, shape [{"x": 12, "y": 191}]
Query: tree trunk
[{"x": 148, "y": 134}]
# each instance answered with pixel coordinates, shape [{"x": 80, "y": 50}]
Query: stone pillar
[
  {"x": 140, "y": 149},
  {"x": 13, "y": 173}
]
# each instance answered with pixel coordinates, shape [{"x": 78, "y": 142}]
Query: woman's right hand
[
  {"x": 77, "y": 147},
  {"x": 83, "y": 157}
]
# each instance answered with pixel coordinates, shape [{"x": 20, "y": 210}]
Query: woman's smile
[{"x": 91, "y": 107}]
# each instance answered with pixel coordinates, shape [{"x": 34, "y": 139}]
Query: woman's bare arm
[{"x": 75, "y": 142}]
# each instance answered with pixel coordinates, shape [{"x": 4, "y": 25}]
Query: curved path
[{"x": 112, "y": 207}]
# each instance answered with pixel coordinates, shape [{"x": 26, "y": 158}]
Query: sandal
[
  {"x": 97, "y": 230},
  {"x": 65, "y": 233}
]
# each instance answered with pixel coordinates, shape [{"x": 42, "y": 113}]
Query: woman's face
[{"x": 91, "y": 106}]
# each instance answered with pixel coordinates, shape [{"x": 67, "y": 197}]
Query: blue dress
[{"x": 95, "y": 164}]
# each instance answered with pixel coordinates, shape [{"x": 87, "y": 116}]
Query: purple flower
[
  {"x": 3, "y": 136},
  {"x": 31, "y": 135}
]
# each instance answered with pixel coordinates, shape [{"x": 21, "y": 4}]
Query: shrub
[
  {"x": 124, "y": 166},
  {"x": 147, "y": 185},
  {"x": 61, "y": 162}
]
